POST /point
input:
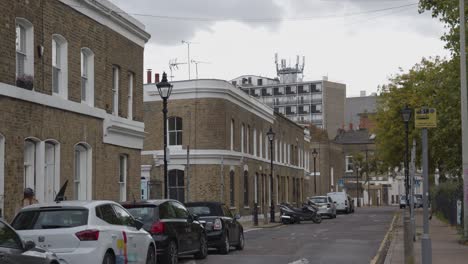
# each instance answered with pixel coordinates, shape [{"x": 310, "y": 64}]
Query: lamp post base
[
  {"x": 408, "y": 240},
  {"x": 426, "y": 246}
]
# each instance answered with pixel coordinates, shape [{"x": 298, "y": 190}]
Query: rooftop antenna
[
  {"x": 196, "y": 65},
  {"x": 173, "y": 65},
  {"x": 188, "y": 54}
]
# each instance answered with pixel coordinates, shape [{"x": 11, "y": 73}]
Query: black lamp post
[
  {"x": 165, "y": 89},
  {"x": 271, "y": 137},
  {"x": 314, "y": 154},
  {"x": 406, "y": 114}
]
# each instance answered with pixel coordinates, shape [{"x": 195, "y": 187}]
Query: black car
[
  {"x": 15, "y": 251},
  {"x": 174, "y": 229},
  {"x": 222, "y": 228}
]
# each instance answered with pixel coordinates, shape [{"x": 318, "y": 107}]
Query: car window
[
  {"x": 124, "y": 217},
  {"x": 106, "y": 213},
  {"x": 145, "y": 214},
  {"x": 166, "y": 211},
  {"x": 8, "y": 237},
  {"x": 49, "y": 219},
  {"x": 319, "y": 199},
  {"x": 330, "y": 200},
  {"x": 180, "y": 210}
]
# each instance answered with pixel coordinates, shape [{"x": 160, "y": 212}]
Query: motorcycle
[{"x": 292, "y": 215}]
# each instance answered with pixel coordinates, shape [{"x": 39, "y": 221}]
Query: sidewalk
[
  {"x": 445, "y": 246},
  {"x": 247, "y": 222}
]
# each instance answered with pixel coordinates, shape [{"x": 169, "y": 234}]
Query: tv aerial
[{"x": 174, "y": 65}]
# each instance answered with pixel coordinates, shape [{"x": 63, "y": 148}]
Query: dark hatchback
[
  {"x": 222, "y": 228},
  {"x": 174, "y": 229}
]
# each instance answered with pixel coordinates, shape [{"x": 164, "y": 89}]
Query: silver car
[
  {"x": 13, "y": 250},
  {"x": 325, "y": 205}
]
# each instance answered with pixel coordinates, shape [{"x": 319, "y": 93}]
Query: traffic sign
[{"x": 425, "y": 118}]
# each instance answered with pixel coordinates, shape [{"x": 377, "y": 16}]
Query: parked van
[{"x": 341, "y": 201}]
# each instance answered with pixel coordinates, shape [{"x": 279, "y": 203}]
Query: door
[
  {"x": 113, "y": 232},
  {"x": 136, "y": 239},
  {"x": 187, "y": 231}
]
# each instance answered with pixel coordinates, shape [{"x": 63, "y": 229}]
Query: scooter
[{"x": 292, "y": 215}]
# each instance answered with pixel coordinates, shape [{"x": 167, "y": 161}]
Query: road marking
[
  {"x": 253, "y": 229},
  {"x": 300, "y": 261}
]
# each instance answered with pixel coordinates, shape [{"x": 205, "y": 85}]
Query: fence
[{"x": 445, "y": 197}]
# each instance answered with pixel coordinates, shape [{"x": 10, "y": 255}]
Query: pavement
[
  {"x": 354, "y": 238},
  {"x": 445, "y": 243}
]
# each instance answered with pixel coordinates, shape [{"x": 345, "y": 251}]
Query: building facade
[
  {"x": 71, "y": 97},
  {"x": 219, "y": 149}
]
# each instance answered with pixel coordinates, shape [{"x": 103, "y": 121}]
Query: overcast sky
[{"x": 356, "y": 42}]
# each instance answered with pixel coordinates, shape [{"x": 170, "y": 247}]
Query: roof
[
  {"x": 354, "y": 106},
  {"x": 361, "y": 136}
]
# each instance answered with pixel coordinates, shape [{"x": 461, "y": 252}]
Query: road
[{"x": 353, "y": 238}]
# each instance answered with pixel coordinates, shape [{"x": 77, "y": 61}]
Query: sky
[{"x": 357, "y": 42}]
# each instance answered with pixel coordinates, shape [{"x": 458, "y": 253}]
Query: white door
[{"x": 51, "y": 172}]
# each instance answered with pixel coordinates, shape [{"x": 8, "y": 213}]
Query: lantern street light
[
  {"x": 165, "y": 89},
  {"x": 406, "y": 114},
  {"x": 271, "y": 137}
]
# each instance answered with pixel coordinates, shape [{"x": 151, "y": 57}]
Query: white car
[{"x": 87, "y": 232}]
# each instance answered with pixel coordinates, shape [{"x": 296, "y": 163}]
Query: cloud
[{"x": 168, "y": 23}]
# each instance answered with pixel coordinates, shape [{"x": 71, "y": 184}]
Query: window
[
  {"x": 267, "y": 150},
  {"x": 166, "y": 211},
  {"x": 180, "y": 211},
  {"x": 232, "y": 134},
  {"x": 176, "y": 185},
  {"x": 59, "y": 66},
  {"x": 107, "y": 214},
  {"x": 30, "y": 164},
  {"x": 242, "y": 137},
  {"x": 234, "y": 83},
  {"x": 130, "y": 96},
  {"x": 115, "y": 90},
  {"x": 8, "y": 238},
  {"x": 87, "y": 76},
  {"x": 232, "y": 188},
  {"x": 260, "y": 147},
  {"x": 246, "y": 188},
  {"x": 24, "y": 51},
  {"x": 82, "y": 177},
  {"x": 276, "y": 150},
  {"x": 248, "y": 139},
  {"x": 123, "y": 168},
  {"x": 52, "y": 172},
  {"x": 255, "y": 153},
  {"x": 349, "y": 163},
  {"x": 259, "y": 82},
  {"x": 256, "y": 193},
  {"x": 175, "y": 131},
  {"x": 124, "y": 217}
]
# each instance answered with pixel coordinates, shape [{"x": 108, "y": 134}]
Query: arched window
[
  {"x": 51, "y": 170},
  {"x": 232, "y": 193},
  {"x": 87, "y": 76},
  {"x": 174, "y": 131},
  {"x": 59, "y": 66},
  {"x": 176, "y": 185},
  {"x": 83, "y": 169},
  {"x": 2, "y": 176},
  {"x": 24, "y": 52},
  {"x": 246, "y": 188}
]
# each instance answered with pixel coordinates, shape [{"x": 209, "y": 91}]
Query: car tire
[
  {"x": 225, "y": 246},
  {"x": 241, "y": 243},
  {"x": 203, "y": 250},
  {"x": 109, "y": 258},
  {"x": 171, "y": 256},
  {"x": 151, "y": 255}
]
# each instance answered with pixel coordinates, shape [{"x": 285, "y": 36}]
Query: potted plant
[{"x": 25, "y": 81}]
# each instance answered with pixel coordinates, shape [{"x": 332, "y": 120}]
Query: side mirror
[
  {"x": 196, "y": 217},
  {"x": 28, "y": 245},
  {"x": 138, "y": 224},
  {"x": 237, "y": 216},
  {"x": 190, "y": 218}
]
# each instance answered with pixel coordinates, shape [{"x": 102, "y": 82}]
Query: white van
[{"x": 341, "y": 201}]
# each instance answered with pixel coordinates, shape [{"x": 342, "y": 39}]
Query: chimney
[
  {"x": 363, "y": 93},
  {"x": 156, "y": 77},
  {"x": 148, "y": 76},
  {"x": 350, "y": 126}
]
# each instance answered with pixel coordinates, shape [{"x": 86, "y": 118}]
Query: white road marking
[
  {"x": 253, "y": 229},
  {"x": 300, "y": 261}
]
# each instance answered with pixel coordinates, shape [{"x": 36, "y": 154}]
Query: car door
[
  {"x": 136, "y": 239},
  {"x": 232, "y": 227},
  {"x": 11, "y": 248},
  {"x": 189, "y": 234},
  {"x": 111, "y": 231}
]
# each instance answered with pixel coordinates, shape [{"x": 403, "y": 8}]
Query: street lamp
[
  {"x": 406, "y": 114},
  {"x": 271, "y": 137},
  {"x": 314, "y": 154},
  {"x": 165, "y": 89},
  {"x": 408, "y": 238}
]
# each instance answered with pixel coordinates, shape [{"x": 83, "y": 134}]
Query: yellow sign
[{"x": 425, "y": 118}]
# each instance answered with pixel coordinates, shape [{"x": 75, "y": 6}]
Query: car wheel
[
  {"x": 171, "y": 255},
  {"x": 225, "y": 247},
  {"x": 151, "y": 255},
  {"x": 240, "y": 245},
  {"x": 203, "y": 251},
  {"x": 109, "y": 258}
]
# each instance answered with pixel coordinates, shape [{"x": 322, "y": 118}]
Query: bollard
[
  {"x": 255, "y": 214},
  {"x": 272, "y": 212}
]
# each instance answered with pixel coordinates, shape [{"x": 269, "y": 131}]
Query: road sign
[{"x": 425, "y": 118}]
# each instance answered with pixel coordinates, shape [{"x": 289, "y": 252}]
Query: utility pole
[
  {"x": 464, "y": 117},
  {"x": 412, "y": 174},
  {"x": 426, "y": 247}
]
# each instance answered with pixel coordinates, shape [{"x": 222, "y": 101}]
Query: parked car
[
  {"x": 342, "y": 203},
  {"x": 402, "y": 201},
  {"x": 325, "y": 205},
  {"x": 419, "y": 200},
  {"x": 222, "y": 228},
  {"x": 14, "y": 250},
  {"x": 174, "y": 229},
  {"x": 86, "y": 232},
  {"x": 351, "y": 204}
]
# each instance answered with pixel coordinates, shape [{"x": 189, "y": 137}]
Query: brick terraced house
[
  {"x": 219, "y": 149},
  {"x": 70, "y": 100}
]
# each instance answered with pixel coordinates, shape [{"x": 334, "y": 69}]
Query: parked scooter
[{"x": 292, "y": 215}]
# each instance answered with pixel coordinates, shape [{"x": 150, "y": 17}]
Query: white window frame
[
  {"x": 115, "y": 89},
  {"x": 123, "y": 175},
  {"x": 60, "y": 66},
  {"x": 51, "y": 171},
  {"x": 348, "y": 162},
  {"x": 232, "y": 134},
  {"x": 82, "y": 177},
  {"x": 248, "y": 139},
  {"x": 256, "y": 188},
  {"x": 31, "y": 164},
  {"x": 87, "y": 76},
  {"x": 242, "y": 137},
  {"x": 255, "y": 142},
  {"x": 27, "y": 51},
  {"x": 177, "y": 131},
  {"x": 131, "y": 78}
]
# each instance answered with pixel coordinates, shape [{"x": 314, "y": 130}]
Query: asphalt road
[{"x": 353, "y": 238}]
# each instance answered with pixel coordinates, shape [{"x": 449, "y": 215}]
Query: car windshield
[
  {"x": 204, "y": 210},
  {"x": 48, "y": 219},
  {"x": 145, "y": 214},
  {"x": 319, "y": 199}
]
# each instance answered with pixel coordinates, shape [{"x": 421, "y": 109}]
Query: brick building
[
  {"x": 71, "y": 100},
  {"x": 219, "y": 149}
]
